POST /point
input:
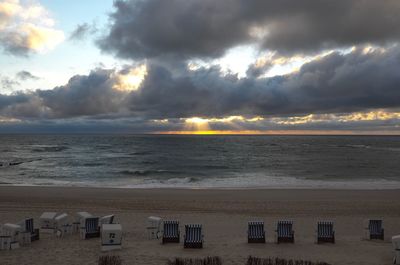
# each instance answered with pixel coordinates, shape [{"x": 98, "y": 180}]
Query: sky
[{"x": 200, "y": 66}]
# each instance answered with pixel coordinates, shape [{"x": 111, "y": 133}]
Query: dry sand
[{"x": 224, "y": 215}]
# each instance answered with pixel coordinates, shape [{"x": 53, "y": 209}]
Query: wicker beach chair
[
  {"x": 256, "y": 232},
  {"x": 47, "y": 222},
  {"x": 284, "y": 232},
  {"x": 325, "y": 232},
  {"x": 28, "y": 227},
  {"x": 90, "y": 229},
  {"x": 111, "y": 237},
  {"x": 171, "y": 232},
  {"x": 154, "y": 224},
  {"x": 80, "y": 221},
  {"x": 375, "y": 230},
  {"x": 193, "y": 236},
  {"x": 11, "y": 236}
]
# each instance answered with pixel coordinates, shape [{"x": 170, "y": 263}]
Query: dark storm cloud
[
  {"x": 25, "y": 75},
  {"x": 336, "y": 83},
  {"x": 89, "y": 95},
  {"x": 207, "y": 28},
  {"x": 83, "y": 95},
  {"x": 10, "y": 100},
  {"x": 143, "y": 29},
  {"x": 332, "y": 84}
]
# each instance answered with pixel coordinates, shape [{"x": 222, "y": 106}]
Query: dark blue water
[{"x": 201, "y": 161}]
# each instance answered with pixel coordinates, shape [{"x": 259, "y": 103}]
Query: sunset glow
[{"x": 131, "y": 80}]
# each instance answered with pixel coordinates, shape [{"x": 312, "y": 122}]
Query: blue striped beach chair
[
  {"x": 91, "y": 228},
  {"x": 325, "y": 232},
  {"x": 284, "y": 232},
  {"x": 171, "y": 232},
  {"x": 193, "y": 236},
  {"x": 375, "y": 229},
  {"x": 256, "y": 232}
]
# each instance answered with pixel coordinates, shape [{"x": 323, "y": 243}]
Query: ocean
[{"x": 169, "y": 161}]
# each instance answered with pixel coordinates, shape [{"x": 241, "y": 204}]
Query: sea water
[{"x": 168, "y": 161}]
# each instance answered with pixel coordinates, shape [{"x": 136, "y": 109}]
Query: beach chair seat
[
  {"x": 111, "y": 237},
  {"x": 284, "y": 232},
  {"x": 193, "y": 236},
  {"x": 396, "y": 247},
  {"x": 256, "y": 232},
  {"x": 90, "y": 228},
  {"x": 325, "y": 232},
  {"x": 171, "y": 232},
  {"x": 375, "y": 229},
  {"x": 28, "y": 227}
]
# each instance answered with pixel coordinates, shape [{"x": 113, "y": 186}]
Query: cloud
[
  {"x": 331, "y": 84},
  {"x": 338, "y": 91},
  {"x": 82, "y": 31},
  {"x": 25, "y": 75},
  {"x": 83, "y": 95},
  {"x": 8, "y": 83},
  {"x": 26, "y": 29},
  {"x": 207, "y": 29},
  {"x": 11, "y": 100}
]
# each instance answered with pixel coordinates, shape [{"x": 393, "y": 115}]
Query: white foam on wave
[
  {"x": 254, "y": 181},
  {"x": 267, "y": 182}
]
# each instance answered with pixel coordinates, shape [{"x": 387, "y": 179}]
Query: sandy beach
[{"x": 224, "y": 215}]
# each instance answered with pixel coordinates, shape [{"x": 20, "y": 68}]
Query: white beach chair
[
  {"x": 47, "y": 222},
  {"x": 396, "y": 247},
  {"x": 154, "y": 227},
  {"x": 80, "y": 218},
  {"x": 111, "y": 237},
  {"x": 5, "y": 242},
  {"x": 12, "y": 234},
  {"x": 62, "y": 226}
]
